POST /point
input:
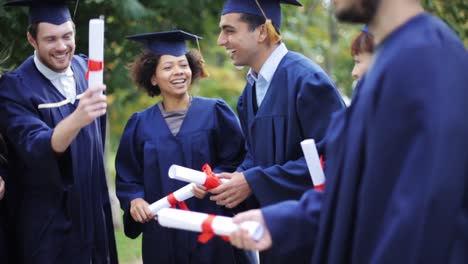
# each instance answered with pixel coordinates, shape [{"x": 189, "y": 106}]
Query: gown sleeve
[
  {"x": 129, "y": 179},
  {"x": 228, "y": 137},
  {"x": 293, "y": 225},
  {"x": 21, "y": 124},
  {"x": 317, "y": 100}
]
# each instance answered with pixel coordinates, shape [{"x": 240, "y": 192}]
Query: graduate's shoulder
[
  {"x": 298, "y": 62},
  {"x": 422, "y": 38},
  {"x": 209, "y": 101},
  {"x": 10, "y": 81}
]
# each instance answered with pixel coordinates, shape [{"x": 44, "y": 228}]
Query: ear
[
  {"x": 154, "y": 81},
  {"x": 32, "y": 41},
  {"x": 262, "y": 33}
]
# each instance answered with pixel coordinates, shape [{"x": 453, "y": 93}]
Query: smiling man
[
  {"x": 287, "y": 98},
  {"x": 54, "y": 126},
  {"x": 397, "y": 182}
]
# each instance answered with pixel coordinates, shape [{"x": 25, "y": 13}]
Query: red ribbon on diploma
[
  {"x": 207, "y": 230},
  {"x": 321, "y": 187},
  {"x": 94, "y": 66},
  {"x": 173, "y": 202},
  {"x": 211, "y": 180}
]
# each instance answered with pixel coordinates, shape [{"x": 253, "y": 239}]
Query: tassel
[
  {"x": 204, "y": 71},
  {"x": 273, "y": 36}
]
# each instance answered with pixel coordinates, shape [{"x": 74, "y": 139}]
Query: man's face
[
  {"x": 240, "y": 43},
  {"x": 355, "y": 11},
  {"x": 54, "y": 45}
]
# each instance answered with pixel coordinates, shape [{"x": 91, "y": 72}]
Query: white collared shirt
[
  {"x": 263, "y": 79},
  {"x": 63, "y": 81}
]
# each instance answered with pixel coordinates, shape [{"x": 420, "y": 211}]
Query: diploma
[
  {"x": 96, "y": 52},
  {"x": 209, "y": 225},
  {"x": 173, "y": 199},
  {"x": 313, "y": 163},
  {"x": 206, "y": 178}
]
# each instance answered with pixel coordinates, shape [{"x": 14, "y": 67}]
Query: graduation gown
[
  {"x": 63, "y": 210},
  {"x": 397, "y": 184},
  {"x": 298, "y": 105},
  {"x": 3, "y": 219},
  {"x": 210, "y": 133}
]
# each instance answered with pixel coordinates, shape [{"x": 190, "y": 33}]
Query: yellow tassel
[
  {"x": 204, "y": 71},
  {"x": 273, "y": 36}
]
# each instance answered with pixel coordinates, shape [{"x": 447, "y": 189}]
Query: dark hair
[
  {"x": 254, "y": 21},
  {"x": 144, "y": 66},
  {"x": 363, "y": 42},
  {"x": 33, "y": 29}
]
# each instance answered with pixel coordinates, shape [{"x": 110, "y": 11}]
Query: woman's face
[
  {"x": 361, "y": 64},
  {"x": 173, "y": 75}
]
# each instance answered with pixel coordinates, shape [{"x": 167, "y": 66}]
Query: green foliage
[
  {"x": 129, "y": 250},
  {"x": 453, "y": 12}
]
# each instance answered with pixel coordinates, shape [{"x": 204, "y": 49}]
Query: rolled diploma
[
  {"x": 188, "y": 175},
  {"x": 181, "y": 195},
  {"x": 96, "y": 50},
  {"x": 313, "y": 162},
  {"x": 192, "y": 221}
]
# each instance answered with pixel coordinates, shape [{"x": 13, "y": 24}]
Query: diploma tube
[
  {"x": 180, "y": 195},
  {"x": 96, "y": 52},
  {"x": 193, "y": 221},
  {"x": 313, "y": 163},
  {"x": 188, "y": 175}
]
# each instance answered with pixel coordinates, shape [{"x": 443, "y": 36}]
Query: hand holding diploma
[
  {"x": 240, "y": 238},
  {"x": 139, "y": 211},
  {"x": 233, "y": 192},
  {"x": 209, "y": 225}
]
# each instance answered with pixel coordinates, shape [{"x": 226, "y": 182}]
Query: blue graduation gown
[
  {"x": 397, "y": 168},
  {"x": 298, "y": 105},
  {"x": 210, "y": 133},
  {"x": 63, "y": 209},
  {"x": 3, "y": 215}
]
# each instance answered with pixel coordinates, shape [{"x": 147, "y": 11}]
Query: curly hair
[
  {"x": 363, "y": 42},
  {"x": 144, "y": 66}
]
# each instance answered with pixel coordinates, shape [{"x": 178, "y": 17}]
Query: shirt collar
[
  {"x": 48, "y": 73},
  {"x": 269, "y": 67}
]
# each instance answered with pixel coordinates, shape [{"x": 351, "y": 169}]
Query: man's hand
[
  {"x": 232, "y": 193},
  {"x": 140, "y": 211},
  {"x": 199, "y": 191},
  {"x": 93, "y": 104},
  {"x": 2, "y": 188},
  {"x": 241, "y": 238}
]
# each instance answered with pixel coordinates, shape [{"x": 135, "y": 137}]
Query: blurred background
[{"x": 311, "y": 30}]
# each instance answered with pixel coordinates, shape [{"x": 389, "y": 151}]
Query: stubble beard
[{"x": 361, "y": 11}]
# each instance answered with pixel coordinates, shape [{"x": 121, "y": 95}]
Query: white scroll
[
  {"x": 192, "y": 221},
  {"x": 96, "y": 52},
  {"x": 313, "y": 163},
  {"x": 188, "y": 175},
  {"x": 180, "y": 195}
]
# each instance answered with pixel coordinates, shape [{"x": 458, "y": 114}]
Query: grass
[{"x": 129, "y": 250}]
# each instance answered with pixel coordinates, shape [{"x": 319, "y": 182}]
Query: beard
[{"x": 361, "y": 11}]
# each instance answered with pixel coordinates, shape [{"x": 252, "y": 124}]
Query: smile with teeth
[
  {"x": 230, "y": 51},
  {"x": 60, "y": 57},
  {"x": 179, "y": 81}
]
